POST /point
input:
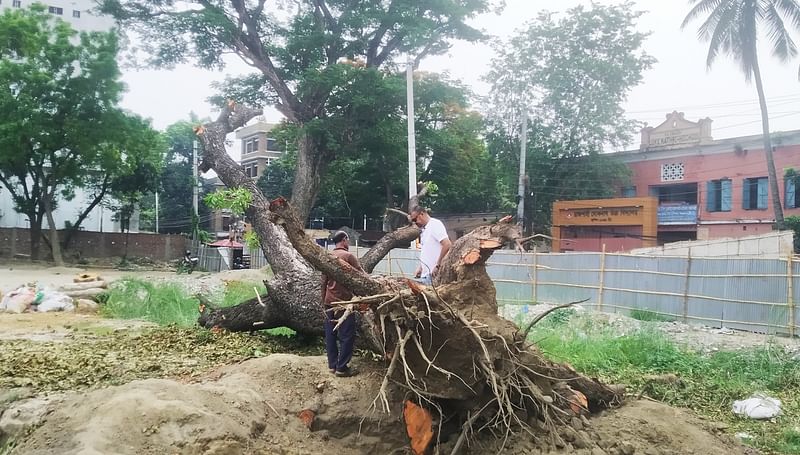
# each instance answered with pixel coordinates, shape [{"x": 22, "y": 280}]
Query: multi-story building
[
  {"x": 258, "y": 149},
  {"x": 80, "y": 14},
  {"x": 258, "y": 152},
  {"x": 705, "y": 188}
]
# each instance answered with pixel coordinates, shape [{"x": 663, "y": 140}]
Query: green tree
[
  {"x": 732, "y": 28},
  {"x": 138, "y": 175},
  {"x": 570, "y": 73},
  {"x": 304, "y": 52},
  {"x": 369, "y": 173},
  {"x": 175, "y": 197},
  {"x": 60, "y": 127},
  {"x": 133, "y": 147}
]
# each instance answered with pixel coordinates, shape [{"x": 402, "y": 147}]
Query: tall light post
[
  {"x": 195, "y": 191},
  {"x": 523, "y": 139},
  {"x": 412, "y": 146}
]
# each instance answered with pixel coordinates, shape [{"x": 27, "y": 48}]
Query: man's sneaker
[
  {"x": 346, "y": 373},
  {"x": 332, "y": 370}
]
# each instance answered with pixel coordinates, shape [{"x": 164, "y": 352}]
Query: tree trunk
[
  {"x": 35, "y": 236},
  {"x": 83, "y": 215},
  {"x": 311, "y": 165},
  {"x": 773, "y": 178},
  {"x": 55, "y": 245}
]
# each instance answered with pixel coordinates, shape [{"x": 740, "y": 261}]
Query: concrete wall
[
  {"x": 161, "y": 247},
  {"x": 775, "y": 245}
]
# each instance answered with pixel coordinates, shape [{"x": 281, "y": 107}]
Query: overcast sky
[{"x": 678, "y": 81}]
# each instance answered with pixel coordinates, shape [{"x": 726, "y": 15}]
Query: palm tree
[{"x": 732, "y": 28}]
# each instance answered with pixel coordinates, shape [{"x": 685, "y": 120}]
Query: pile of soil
[{"x": 253, "y": 408}]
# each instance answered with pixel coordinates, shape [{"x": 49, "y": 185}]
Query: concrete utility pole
[
  {"x": 195, "y": 190},
  {"x": 523, "y": 139},
  {"x": 412, "y": 146},
  {"x": 156, "y": 212}
]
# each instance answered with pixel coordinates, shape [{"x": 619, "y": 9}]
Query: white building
[
  {"x": 78, "y": 13},
  {"x": 100, "y": 219},
  {"x": 258, "y": 149}
]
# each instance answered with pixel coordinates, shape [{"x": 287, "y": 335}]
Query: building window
[
  {"x": 76, "y": 14},
  {"x": 56, "y": 10},
  {"x": 251, "y": 170},
  {"x": 272, "y": 144},
  {"x": 251, "y": 145},
  {"x": 755, "y": 193},
  {"x": 270, "y": 161},
  {"x": 791, "y": 195},
  {"x": 16, "y": 3},
  {"x": 671, "y": 172},
  {"x": 719, "y": 195},
  {"x": 629, "y": 191}
]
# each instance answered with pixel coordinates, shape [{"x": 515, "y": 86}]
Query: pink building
[{"x": 710, "y": 188}]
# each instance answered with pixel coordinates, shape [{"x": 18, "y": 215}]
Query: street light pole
[
  {"x": 195, "y": 192},
  {"x": 412, "y": 146},
  {"x": 156, "y": 212},
  {"x": 523, "y": 139}
]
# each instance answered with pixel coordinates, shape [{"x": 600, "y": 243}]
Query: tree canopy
[
  {"x": 369, "y": 172},
  {"x": 304, "y": 52},
  {"x": 60, "y": 127},
  {"x": 570, "y": 73}
]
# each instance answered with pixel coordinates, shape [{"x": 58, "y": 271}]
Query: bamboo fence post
[
  {"x": 389, "y": 262},
  {"x": 686, "y": 285},
  {"x": 790, "y": 294},
  {"x": 535, "y": 272},
  {"x": 602, "y": 278}
]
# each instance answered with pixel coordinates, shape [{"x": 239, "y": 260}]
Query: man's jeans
[{"x": 339, "y": 343}]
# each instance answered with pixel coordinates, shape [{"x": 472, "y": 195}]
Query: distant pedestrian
[
  {"x": 435, "y": 244},
  {"x": 339, "y": 342}
]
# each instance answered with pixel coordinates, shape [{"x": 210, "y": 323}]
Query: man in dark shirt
[{"x": 339, "y": 343}]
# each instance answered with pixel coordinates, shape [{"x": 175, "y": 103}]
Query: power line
[{"x": 715, "y": 105}]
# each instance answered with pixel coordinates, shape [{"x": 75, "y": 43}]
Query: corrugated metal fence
[{"x": 758, "y": 295}]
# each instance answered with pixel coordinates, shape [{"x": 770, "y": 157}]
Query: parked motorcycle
[{"x": 188, "y": 263}]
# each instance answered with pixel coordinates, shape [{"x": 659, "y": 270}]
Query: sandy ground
[{"x": 254, "y": 407}]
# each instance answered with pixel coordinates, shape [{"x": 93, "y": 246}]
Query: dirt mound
[{"x": 253, "y": 407}]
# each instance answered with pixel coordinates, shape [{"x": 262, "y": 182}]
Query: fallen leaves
[{"x": 117, "y": 357}]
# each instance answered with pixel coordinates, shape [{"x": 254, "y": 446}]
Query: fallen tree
[
  {"x": 449, "y": 351},
  {"x": 454, "y": 364}
]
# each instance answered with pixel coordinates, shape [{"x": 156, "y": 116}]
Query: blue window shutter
[
  {"x": 790, "y": 193},
  {"x": 726, "y": 195},
  {"x": 746, "y": 194},
  {"x": 763, "y": 192},
  {"x": 711, "y": 196}
]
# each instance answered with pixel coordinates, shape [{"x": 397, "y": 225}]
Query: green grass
[
  {"x": 169, "y": 304},
  {"x": 162, "y": 303},
  {"x": 708, "y": 383},
  {"x": 650, "y": 316}
]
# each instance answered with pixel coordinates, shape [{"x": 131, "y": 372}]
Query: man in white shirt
[{"x": 435, "y": 244}]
